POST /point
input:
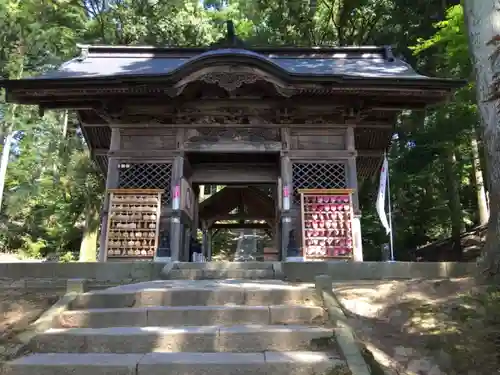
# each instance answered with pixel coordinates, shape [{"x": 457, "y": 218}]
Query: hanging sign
[
  {"x": 176, "y": 197},
  {"x": 187, "y": 198},
  {"x": 286, "y": 198}
]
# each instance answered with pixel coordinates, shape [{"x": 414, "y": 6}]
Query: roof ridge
[{"x": 90, "y": 50}]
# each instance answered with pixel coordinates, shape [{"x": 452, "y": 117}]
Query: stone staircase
[
  {"x": 190, "y": 327},
  {"x": 234, "y": 270}
]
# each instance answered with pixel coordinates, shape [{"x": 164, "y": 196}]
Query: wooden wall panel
[
  {"x": 234, "y": 173},
  {"x": 148, "y": 139},
  {"x": 318, "y": 139}
]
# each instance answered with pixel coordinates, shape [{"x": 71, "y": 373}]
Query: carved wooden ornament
[{"x": 230, "y": 78}]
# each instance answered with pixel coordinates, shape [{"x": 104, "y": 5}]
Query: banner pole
[{"x": 389, "y": 211}]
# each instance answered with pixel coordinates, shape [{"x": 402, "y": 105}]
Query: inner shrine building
[{"x": 284, "y": 131}]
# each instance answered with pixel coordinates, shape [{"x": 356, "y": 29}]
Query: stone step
[
  {"x": 219, "y": 274},
  {"x": 245, "y": 338},
  {"x": 195, "y": 297},
  {"x": 191, "y": 316},
  {"x": 234, "y": 266},
  {"x": 266, "y": 363}
]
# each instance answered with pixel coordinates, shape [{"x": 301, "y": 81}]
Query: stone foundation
[{"x": 102, "y": 275}]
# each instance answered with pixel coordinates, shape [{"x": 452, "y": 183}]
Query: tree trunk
[
  {"x": 483, "y": 23},
  {"x": 482, "y": 204},
  {"x": 5, "y": 162},
  {"x": 88, "y": 247},
  {"x": 454, "y": 204}
]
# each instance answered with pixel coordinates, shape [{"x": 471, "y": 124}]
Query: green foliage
[
  {"x": 433, "y": 189},
  {"x": 53, "y": 190},
  {"x": 450, "y": 33},
  {"x": 32, "y": 248},
  {"x": 67, "y": 257}
]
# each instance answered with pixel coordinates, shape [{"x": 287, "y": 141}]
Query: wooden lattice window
[
  {"x": 318, "y": 176},
  {"x": 146, "y": 176}
]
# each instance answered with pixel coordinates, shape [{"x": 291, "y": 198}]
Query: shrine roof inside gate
[{"x": 345, "y": 63}]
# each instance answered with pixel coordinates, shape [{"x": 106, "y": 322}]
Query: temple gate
[{"x": 171, "y": 119}]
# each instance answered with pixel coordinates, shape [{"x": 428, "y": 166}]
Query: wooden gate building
[{"x": 282, "y": 118}]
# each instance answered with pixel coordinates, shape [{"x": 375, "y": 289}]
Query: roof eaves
[{"x": 403, "y": 82}]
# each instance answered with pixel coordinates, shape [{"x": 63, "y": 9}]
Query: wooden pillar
[
  {"x": 175, "y": 222},
  {"x": 277, "y": 234},
  {"x": 196, "y": 216},
  {"x": 209, "y": 244},
  {"x": 352, "y": 183},
  {"x": 186, "y": 244},
  {"x": 286, "y": 204},
  {"x": 111, "y": 183},
  {"x": 204, "y": 238},
  {"x": 276, "y": 194}
]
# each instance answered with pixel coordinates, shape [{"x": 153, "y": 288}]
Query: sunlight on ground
[
  {"x": 412, "y": 326},
  {"x": 18, "y": 309},
  {"x": 207, "y": 284}
]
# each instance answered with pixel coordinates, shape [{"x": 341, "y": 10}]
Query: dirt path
[
  {"x": 18, "y": 309},
  {"x": 398, "y": 322}
]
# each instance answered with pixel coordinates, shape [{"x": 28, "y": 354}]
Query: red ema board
[{"x": 326, "y": 223}]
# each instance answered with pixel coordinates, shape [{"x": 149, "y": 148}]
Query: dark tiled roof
[{"x": 353, "y": 62}]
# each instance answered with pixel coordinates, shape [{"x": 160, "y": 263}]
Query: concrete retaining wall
[
  {"x": 54, "y": 275},
  {"x": 306, "y": 271}
]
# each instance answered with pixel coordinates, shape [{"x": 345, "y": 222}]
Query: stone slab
[
  {"x": 220, "y": 274},
  {"x": 284, "y": 363},
  {"x": 123, "y": 272},
  {"x": 225, "y": 266},
  {"x": 112, "y": 272},
  {"x": 127, "y": 340},
  {"x": 207, "y": 315},
  {"x": 76, "y": 286},
  {"x": 202, "y": 364},
  {"x": 59, "y": 341},
  {"x": 103, "y": 318},
  {"x": 45, "y": 283},
  {"x": 346, "y": 271},
  {"x": 207, "y": 284},
  {"x": 195, "y": 296},
  {"x": 274, "y": 296},
  {"x": 155, "y": 339},
  {"x": 241, "y": 338},
  {"x": 104, "y": 300},
  {"x": 297, "y": 314},
  {"x": 247, "y": 274},
  {"x": 303, "y": 363},
  {"x": 303, "y": 271},
  {"x": 258, "y": 338},
  {"x": 203, "y": 297},
  {"x": 73, "y": 364},
  {"x": 280, "y": 363},
  {"x": 186, "y": 274}
]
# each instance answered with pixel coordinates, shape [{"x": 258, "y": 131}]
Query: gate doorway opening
[{"x": 237, "y": 206}]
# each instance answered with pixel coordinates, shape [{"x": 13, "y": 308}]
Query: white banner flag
[{"x": 380, "y": 205}]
